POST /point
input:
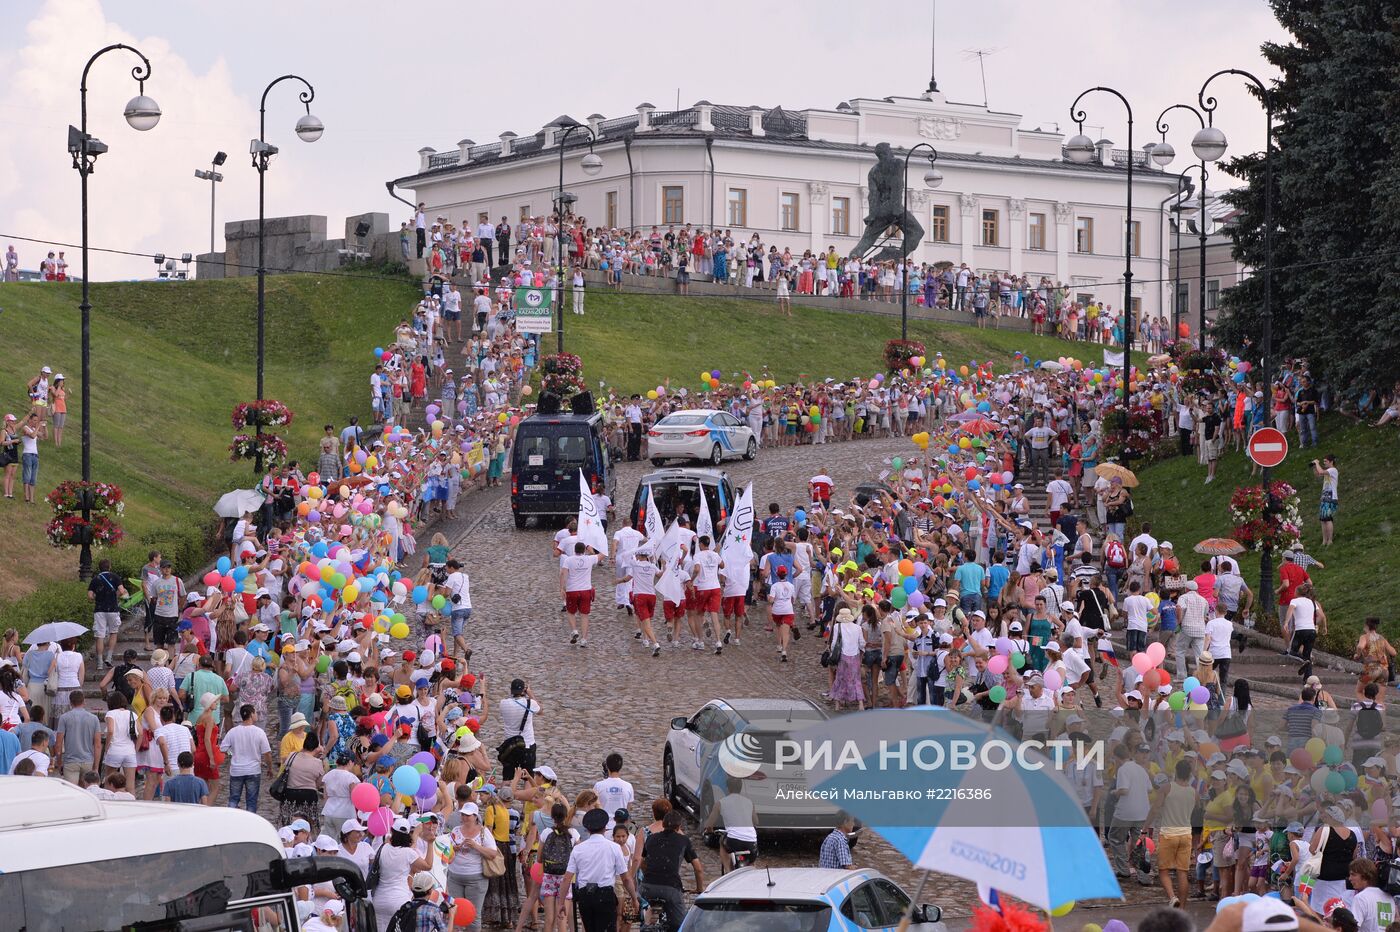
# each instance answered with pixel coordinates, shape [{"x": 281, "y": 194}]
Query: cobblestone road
[{"x": 613, "y": 695}]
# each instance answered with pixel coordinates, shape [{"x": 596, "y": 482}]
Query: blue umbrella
[{"x": 1017, "y": 828}]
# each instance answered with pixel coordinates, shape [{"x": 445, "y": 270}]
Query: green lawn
[
  {"x": 1359, "y": 578},
  {"x": 632, "y": 340},
  {"x": 170, "y": 360}
]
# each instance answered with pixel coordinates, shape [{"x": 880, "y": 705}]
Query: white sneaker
[
  {"x": 734, "y": 641},
  {"x": 696, "y": 645},
  {"x": 583, "y": 642}
]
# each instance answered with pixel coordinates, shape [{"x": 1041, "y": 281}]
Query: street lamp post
[
  {"x": 1080, "y": 149},
  {"x": 1162, "y": 154},
  {"x": 213, "y": 176},
  {"x": 308, "y": 129},
  {"x": 932, "y": 179},
  {"x": 592, "y": 164},
  {"x": 1209, "y": 145},
  {"x": 142, "y": 113}
]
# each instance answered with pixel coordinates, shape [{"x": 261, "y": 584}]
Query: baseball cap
[
  {"x": 325, "y": 843},
  {"x": 423, "y": 883},
  {"x": 333, "y": 908},
  {"x": 1015, "y": 626},
  {"x": 470, "y": 809},
  {"x": 351, "y": 825},
  {"x": 401, "y": 824},
  {"x": 548, "y": 773},
  {"x": 404, "y": 691},
  {"x": 1133, "y": 694},
  {"x": 1267, "y": 914},
  {"x": 300, "y": 825}
]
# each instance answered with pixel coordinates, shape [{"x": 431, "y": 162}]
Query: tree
[{"x": 1337, "y": 187}]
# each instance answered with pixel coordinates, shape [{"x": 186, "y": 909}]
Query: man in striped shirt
[{"x": 1299, "y": 718}]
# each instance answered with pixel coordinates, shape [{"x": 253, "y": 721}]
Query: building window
[
  {"x": 1212, "y": 294},
  {"x": 1183, "y": 298},
  {"x": 1035, "y": 232},
  {"x": 1084, "y": 234},
  {"x": 1084, "y": 299},
  {"x": 841, "y": 216},
  {"x": 738, "y": 207},
  {"x": 1135, "y": 237},
  {"x": 673, "y": 204},
  {"x": 1137, "y": 308},
  {"x": 610, "y": 210},
  {"x": 525, "y": 212},
  {"x": 990, "y": 223},
  {"x": 788, "y": 213},
  {"x": 939, "y": 233}
]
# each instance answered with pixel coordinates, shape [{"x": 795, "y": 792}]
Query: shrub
[
  {"x": 52, "y": 601},
  {"x": 899, "y": 352}
]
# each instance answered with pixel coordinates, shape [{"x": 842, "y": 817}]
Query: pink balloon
[
  {"x": 1142, "y": 663},
  {"x": 338, "y": 511},
  {"x": 345, "y": 529},
  {"x": 1157, "y": 651},
  {"x": 379, "y": 821},
  {"x": 365, "y": 797},
  {"x": 1053, "y": 680},
  {"x": 997, "y": 664}
]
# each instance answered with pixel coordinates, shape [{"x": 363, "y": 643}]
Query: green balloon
[
  {"x": 1332, "y": 756},
  {"x": 399, "y": 617},
  {"x": 1018, "y": 659},
  {"x": 338, "y": 581},
  {"x": 816, "y": 418},
  {"x": 1335, "y": 783},
  {"x": 1177, "y": 701},
  {"x": 439, "y": 602},
  {"x": 898, "y": 598},
  {"x": 997, "y": 694},
  {"x": 323, "y": 663},
  {"x": 897, "y": 462},
  {"x": 981, "y": 457}
]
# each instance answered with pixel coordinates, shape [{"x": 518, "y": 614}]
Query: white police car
[
  {"x": 806, "y": 899},
  {"x": 708, "y": 436}
]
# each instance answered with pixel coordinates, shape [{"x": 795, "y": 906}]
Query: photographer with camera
[
  {"x": 1327, "y": 507},
  {"x": 517, "y": 750}
]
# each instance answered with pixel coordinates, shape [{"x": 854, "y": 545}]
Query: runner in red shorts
[
  {"x": 705, "y": 572},
  {"x": 641, "y": 574},
  {"x": 781, "y": 594},
  {"x": 576, "y": 583},
  {"x": 736, "y": 586}
]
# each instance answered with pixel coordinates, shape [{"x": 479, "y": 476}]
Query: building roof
[{"x": 787, "y": 128}]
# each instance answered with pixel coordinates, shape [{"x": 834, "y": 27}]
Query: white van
[{"x": 70, "y": 862}]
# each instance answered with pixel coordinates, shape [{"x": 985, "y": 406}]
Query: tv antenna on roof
[{"x": 981, "y": 55}]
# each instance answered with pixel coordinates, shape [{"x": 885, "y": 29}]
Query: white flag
[
  {"x": 652, "y": 525},
  {"x": 704, "y": 525},
  {"x": 590, "y": 523},
  {"x": 736, "y": 551},
  {"x": 670, "y": 544},
  {"x": 671, "y": 583},
  {"x": 1112, "y": 358}
]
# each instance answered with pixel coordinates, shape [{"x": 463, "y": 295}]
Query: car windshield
[
  {"x": 757, "y": 916},
  {"x": 546, "y": 442},
  {"x": 682, "y": 420}
]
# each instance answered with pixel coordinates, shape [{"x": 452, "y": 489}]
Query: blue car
[{"x": 806, "y": 899}]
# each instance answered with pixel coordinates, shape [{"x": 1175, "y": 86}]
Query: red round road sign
[{"x": 1268, "y": 447}]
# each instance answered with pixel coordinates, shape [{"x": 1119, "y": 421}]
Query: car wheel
[
  {"x": 751, "y": 450},
  {"x": 716, "y": 455},
  {"x": 520, "y": 521},
  {"x": 668, "y": 780},
  {"x": 657, "y": 461}
]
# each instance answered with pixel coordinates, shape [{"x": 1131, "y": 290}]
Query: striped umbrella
[{"x": 1019, "y": 829}]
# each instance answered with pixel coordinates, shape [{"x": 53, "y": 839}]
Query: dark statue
[{"x": 886, "y": 181}]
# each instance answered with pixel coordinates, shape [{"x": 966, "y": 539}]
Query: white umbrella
[
  {"x": 238, "y": 502},
  {"x": 55, "y": 631}
]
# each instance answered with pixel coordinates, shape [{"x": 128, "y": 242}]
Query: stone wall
[{"x": 299, "y": 244}]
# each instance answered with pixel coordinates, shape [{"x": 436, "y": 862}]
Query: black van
[
  {"x": 677, "y": 489},
  {"x": 548, "y": 453}
]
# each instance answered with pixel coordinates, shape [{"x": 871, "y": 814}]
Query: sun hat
[
  {"x": 1267, "y": 914},
  {"x": 470, "y": 809},
  {"x": 298, "y": 721}
]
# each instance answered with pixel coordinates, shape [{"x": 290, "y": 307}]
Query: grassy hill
[
  {"x": 1359, "y": 578},
  {"x": 170, "y": 360}
]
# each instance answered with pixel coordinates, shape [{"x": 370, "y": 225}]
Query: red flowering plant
[
  {"x": 562, "y": 375},
  {"x": 898, "y": 353},
  {"x": 1256, "y": 525},
  {"x": 68, "y": 527},
  {"x": 266, "y": 413},
  {"x": 247, "y": 446}
]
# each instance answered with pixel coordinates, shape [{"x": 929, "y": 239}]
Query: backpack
[
  {"x": 555, "y": 851},
  {"x": 1115, "y": 555},
  {"x": 347, "y": 692},
  {"x": 1368, "y": 721}
]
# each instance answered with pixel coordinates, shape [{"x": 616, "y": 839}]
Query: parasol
[
  {"x": 979, "y": 426},
  {"x": 1219, "y": 547},
  {"x": 971, "y": 414},
  {"x": 1109, "y": 470},
  {"x": 55, "y": 631},
  {"x": 238, "y": 502},
  {"x": 356, "y": 482},
  {"x": 1051, "y": 365}
]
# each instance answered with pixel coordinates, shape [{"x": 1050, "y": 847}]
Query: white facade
[{"x": 1009, "y": 201}]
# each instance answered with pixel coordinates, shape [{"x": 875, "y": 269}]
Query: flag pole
[{"x": 908, "y": 916}]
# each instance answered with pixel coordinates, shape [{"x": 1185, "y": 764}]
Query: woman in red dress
[{"x": 207, "y": 756}]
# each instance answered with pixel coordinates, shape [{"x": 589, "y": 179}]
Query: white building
[{"x": 1009, "y": 201}]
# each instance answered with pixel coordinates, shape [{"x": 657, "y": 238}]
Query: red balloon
[
  {"x": 212, "y": 578},
  {"x": 227, "y": 584},
  {"x": 1301, "y": 759},
  {"x": 466, "y": 913},
  {"x": 970, "y": 473}
]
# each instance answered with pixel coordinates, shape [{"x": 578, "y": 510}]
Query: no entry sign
[{"x": 1268, "y": 447}]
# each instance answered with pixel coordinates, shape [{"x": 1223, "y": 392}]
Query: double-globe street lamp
[
  {"x": 142, "y": 113},
  {"x": 591, "y": 164},
  {"x": 1209, "y": 145},
  {"x": 309, "y": 129},
  {"x": 1163, "y": 153},
  {"x": 932, "y": 179},
  {"x": 1080, "y": 148}
]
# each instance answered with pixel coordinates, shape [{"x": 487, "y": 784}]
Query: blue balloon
[
  {"x": 953, "y": 449},
  {"x": 1238, "y": 378},
  {"x": 800, "y": 516},
  {"x": 239, "y": 573},
  {"x": 910, "y": 584},
  {"x": 406, "y": 780},
  {"x": 319, "y": 549},
  {"x": 378, "y": 596},
  {"x": 378, "y": 351},
  {"x": 224, "y": 565},
  {"x": 984, "y": 406},
  {"x": 1189, "y": 684},
  {"x": 973, "y": 485},
  {"x": 420, "y": 595},
  {"x": 384, "y": 490}
]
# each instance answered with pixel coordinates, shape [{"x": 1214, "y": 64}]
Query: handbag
[
  {"x": 278, "y": 789},
  {"x": 830, "y": 657},
  {"x": 1312, "y": 865},
  {"x": 494, "y": 866},
  {"x": 143, "y": 743},
  {"x": 512, "y": 750},
  {"x": 372, "y": 876}
]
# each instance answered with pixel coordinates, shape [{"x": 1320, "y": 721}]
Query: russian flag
[
  {"x": 1106, "y": 651},
  {"x": 989, "y": 896}
]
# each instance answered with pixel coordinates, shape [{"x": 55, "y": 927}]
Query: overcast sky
[{"x": 391, "y": 79}]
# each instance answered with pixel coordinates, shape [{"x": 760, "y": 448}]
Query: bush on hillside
[{"x": 899, "y": 352}]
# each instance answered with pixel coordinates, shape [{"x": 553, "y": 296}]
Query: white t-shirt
[
  {"x": 1329, "y": 485},
  {"x": 707, "y": 562},
  {"x": 459, "y": 584},
  {"x": 1134, "y": 804},
  {"x": 247, "y": 744},
  {"x": 614, "y": 793},
  {"x": 1373, "y": 908},
  {"x": 580, "y": 571},
  {"x": 626, "y": 540},
  {"x": 782, "y": 593},
  {"x": 1075, "y": 666},
  {"x": 736, "y": 812},
  {"x": 1136, "y": 608},
  {"x": 512, "y": 715},
  {"x": 1218, "y": 632},
  {"x": 643, "y": 573},
  {"x": 1304, "y": 614},
  {"x": 565, "y": 541},
  {"x": 1059, "y": 491},
  {"x": 40, "y": 759}
]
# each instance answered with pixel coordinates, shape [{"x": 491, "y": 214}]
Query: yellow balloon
[
  {"x": 380, "y": 625},
  {"x": 1154, "y": 598},
  {"x": 1062, "y": 910},
  {"x": 964, "y": 442},
  {"x": 349, "y": 594},
  {"x": 1315, "y": 747},
  {"x": 345, "y": 489},
  {"x": 371, "y": 462},
  {"x": 651, "y": 394},
  {"x": 501, "y": 418},
  {"x": 314, "y": 492},
  {"x": 399, "y": 631}
]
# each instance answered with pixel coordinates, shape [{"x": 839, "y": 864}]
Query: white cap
[
  {"x": 333, "y": 908},
  {"x": 401, "y": 824},
  {"x": 470, "y": 809},
  {"x": 325, "y": 843},
  {"x": 351, "y": 825},
  {"x": 1267, "y": 914}
]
